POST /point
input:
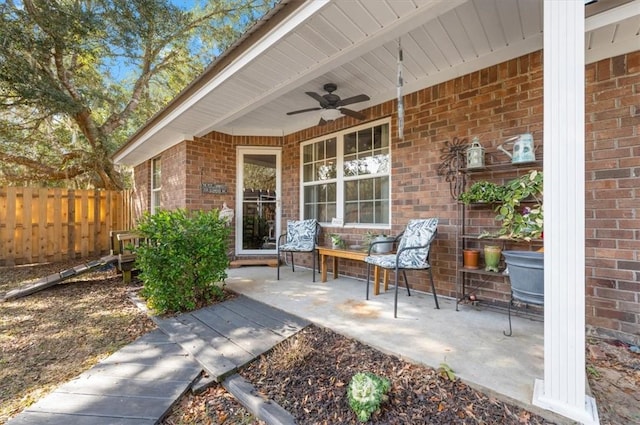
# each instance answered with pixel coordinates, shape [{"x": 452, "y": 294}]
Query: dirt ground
[
  {"x": 52, "y": 336},
  {"x": 613, "y": 370}
]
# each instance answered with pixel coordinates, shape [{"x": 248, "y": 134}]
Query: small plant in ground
[
  {"x": 292, "y": 352},
  {"x": 593, "y": 371},
  {"x": 184, "y": 260},
  {"x": 366, "y": 392},
  {"x": 446, "y": 372}
]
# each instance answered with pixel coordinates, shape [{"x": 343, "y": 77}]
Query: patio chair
[
  {"x": 414, "y": 245},
  {"x": 301, "y": 236}
]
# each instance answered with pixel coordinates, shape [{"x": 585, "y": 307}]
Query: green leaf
[{"x": 185, "y": 263}]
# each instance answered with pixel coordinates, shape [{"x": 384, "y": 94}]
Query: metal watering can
[{"x": 523, "y": 149}]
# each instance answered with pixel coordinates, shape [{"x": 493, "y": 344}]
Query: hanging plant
[
  {"x": 522, "y": 222},
  {"x": 483, "y": 191}
]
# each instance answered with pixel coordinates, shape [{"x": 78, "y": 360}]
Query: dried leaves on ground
[
  {"x": 313, "y": 387},
  {"x": 50, "y": 337},
  {"x": 308, "y": 375},
  {"x": 613, "y": 368}
]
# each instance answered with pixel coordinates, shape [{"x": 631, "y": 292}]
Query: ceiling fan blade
[
  {"x": 323, "y": 102},
  {"x": 353, "y": 99},
  {"x": 303, "y": 110},
  {"x": 322, "y": 122},
  {"x": 354, "y": 114}
]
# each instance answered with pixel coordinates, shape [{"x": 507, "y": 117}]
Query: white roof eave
[{"x": 164, "y": 133}]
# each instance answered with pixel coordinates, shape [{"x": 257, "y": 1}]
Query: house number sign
[{"x": 214, "y": 188}]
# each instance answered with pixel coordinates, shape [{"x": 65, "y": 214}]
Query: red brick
[{"x": 493, "y": 103}]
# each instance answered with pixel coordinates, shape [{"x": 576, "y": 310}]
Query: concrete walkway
[{"x": 470, "y": 340}]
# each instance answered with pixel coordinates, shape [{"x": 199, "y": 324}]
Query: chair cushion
[
  {"x": 418, "y": 232},
  {"x": 388, "y": 261},
  {"x": 301, "y": 236}
]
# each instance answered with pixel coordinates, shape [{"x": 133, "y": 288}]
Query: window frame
[
  {"x": 155, "y": 204},
  {"x": 340, "y": 179}
]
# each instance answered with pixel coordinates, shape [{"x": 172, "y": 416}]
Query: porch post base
[{"x": 588, "y": 416}]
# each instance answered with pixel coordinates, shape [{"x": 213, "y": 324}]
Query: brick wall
[
  {"x": 173, "y": 180},
  {"x": 493, "y": 104},
  {"x": 210, "y": 159},
  {"x": 142, "y": 189},
  {"x": 613, "y": 195},
  {"x": 173, "y": 177}
]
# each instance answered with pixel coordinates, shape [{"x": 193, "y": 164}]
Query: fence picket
[
  {"x": 26, "y": 220},
  {"x": 41, "y": 225},
  {"x": 84, "y": 223},
  {"x": 96, "y": 223},
  {"x": 12, "y": 199},
  {"x": 56, "y": 236}
]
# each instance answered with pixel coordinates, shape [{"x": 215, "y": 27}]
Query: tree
[{"x": 77, "y": 77}]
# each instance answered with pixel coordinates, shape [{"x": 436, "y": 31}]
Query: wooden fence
[{"x": 42, "y": 225}]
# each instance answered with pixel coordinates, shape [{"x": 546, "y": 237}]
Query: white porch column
[{"x": 563, "y": 387}]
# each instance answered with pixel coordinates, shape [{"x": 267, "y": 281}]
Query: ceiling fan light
[{"x": 330, "y": 114}]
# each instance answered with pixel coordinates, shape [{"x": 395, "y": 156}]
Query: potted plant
[
  {"x": 383, "y": 243},
  {"x": 482, "y": 192},
  {"x": 336, "y": 241},
  {"x": 518, "y": 222}
]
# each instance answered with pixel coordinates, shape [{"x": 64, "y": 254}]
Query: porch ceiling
[{"x": 353, "y": 43}]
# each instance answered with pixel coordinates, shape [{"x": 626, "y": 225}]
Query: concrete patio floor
[{"x": 470, "y": 340}]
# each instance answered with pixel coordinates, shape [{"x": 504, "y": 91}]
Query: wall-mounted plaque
[{"x": 214, "y": 188}]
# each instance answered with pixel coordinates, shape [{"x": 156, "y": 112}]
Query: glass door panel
[{"x": 259, "y": 181}]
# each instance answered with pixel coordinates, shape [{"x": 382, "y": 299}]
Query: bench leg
[
  {"x": 126, "y": 277},
  {"x": 323, "y": 268}
]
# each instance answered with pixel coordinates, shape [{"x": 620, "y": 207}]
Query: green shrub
[{"x": 184, "y": 260}]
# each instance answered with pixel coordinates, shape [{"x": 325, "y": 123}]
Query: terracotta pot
[
  {"x": 492, "y": 255},
  {"x": 470, "y": 258}
]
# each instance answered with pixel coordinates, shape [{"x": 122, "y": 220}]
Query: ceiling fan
[{"x": 333, "y": 105}]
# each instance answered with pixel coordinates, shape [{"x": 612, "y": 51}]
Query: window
[
  {"x": 156, "y": 184},
  {"x": 346, "y": 176}
]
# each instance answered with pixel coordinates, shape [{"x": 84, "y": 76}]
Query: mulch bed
[
  {"x": 309, "y": 373},
  {"x": 313, "y": 386},
  {"x": 308, "y": 376}
]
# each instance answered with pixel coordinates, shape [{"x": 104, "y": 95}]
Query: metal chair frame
[
  {"x": 313, "y": 257},
  {"x": 404, "y": 273}
]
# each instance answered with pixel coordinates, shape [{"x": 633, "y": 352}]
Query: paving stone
[
  {"x": 36, "y": 418},
  {"x": 138, "y": 384}
]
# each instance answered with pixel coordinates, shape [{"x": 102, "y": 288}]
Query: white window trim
[
  {"x": 152, "y": 206},
  {"x": 339, "y": 180}
]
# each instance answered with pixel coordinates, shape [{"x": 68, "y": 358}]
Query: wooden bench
[
  {"x": 122, "y": 244},
  {"x": 349, "y": 254}
]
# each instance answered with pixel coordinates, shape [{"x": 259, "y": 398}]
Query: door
[{"x": 258, "y": 201}]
